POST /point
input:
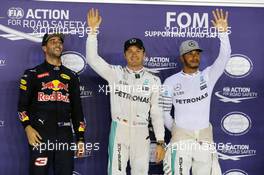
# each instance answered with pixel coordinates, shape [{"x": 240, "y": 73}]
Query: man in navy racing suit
[{"x": 49, "y": 104}]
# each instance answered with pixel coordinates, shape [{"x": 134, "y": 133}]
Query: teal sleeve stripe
[
  {"x": 173, "y": 158},
  {"x": 111, "y": 146}
]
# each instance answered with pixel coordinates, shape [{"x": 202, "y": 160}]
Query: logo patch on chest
[
  {"x": 203, "y": 84},
  {"x": 46, "y": 74}
]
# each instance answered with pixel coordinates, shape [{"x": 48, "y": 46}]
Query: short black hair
[
  {"x": 47, "y": 36},
  {"x": 134, "y": 42}
]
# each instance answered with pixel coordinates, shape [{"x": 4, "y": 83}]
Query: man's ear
[
  {"x": 125, "y": 56},
  {"x": 44, "y": 48},
  {"x": 181, "y": 58}
]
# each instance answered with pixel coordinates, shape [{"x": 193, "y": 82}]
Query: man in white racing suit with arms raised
[
  {"x": 190, "y": 91},
  {"x": 134, "y": 96}
]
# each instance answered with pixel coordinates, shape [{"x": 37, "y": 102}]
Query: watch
[{"x": 161, "y": 143}]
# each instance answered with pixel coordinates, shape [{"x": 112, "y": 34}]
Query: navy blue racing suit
[{"x": 49, "y": 101}]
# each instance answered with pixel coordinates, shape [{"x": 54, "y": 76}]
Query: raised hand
[
  {"x": 93, "y": 19},
  {"x": 220, "y": 20}
]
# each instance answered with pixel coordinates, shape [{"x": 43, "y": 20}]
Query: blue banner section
[{"x": 236, "y": 112}]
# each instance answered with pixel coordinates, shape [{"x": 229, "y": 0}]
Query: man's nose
[{"x": 134, "y": 53}]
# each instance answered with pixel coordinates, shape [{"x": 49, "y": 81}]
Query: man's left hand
[
  {"x": 80, "y": 149},
  {"x": 220, "y": 20},
  {"x": 160, "y": 153}
]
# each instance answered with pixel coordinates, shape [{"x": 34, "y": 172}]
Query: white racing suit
[
  {"x": 191, "y": 95},
  {"x": 191, "y": 149},
  {"x": 134, "y": 96}
]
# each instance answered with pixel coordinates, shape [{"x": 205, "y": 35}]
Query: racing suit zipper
[
  {"x": 56, "y": 70},
  {"x": 131, "y": 110}
]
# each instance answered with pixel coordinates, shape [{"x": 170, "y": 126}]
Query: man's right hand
[
  {"x": 93, "y": 19},
  {"x": 33, "y": 136}
]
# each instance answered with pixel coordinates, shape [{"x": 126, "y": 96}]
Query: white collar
[
  {"x": 190, "y": 75},
  {"x": 136, "y": 72}
]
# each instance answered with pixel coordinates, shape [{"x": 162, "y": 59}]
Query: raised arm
[
  {"x": 97, "y": 63},
  {"x": 221, "y": 23}
]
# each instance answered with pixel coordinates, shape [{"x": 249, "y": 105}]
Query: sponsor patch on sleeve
[
  {"x": 23, "y": 116},
  {"x": 23, "y": 87},
  {"x": 22, "y": 81},
  {"x": 81, "y": 127}
]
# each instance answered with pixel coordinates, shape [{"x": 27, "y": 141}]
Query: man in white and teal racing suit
[
  {"x": 134, "y": 96},
  {"x": 190, "y": 91}
]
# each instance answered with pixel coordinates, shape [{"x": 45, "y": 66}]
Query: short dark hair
[
  {"x": 134, "y": 42},
  {"x": 47, "y": 36}
]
